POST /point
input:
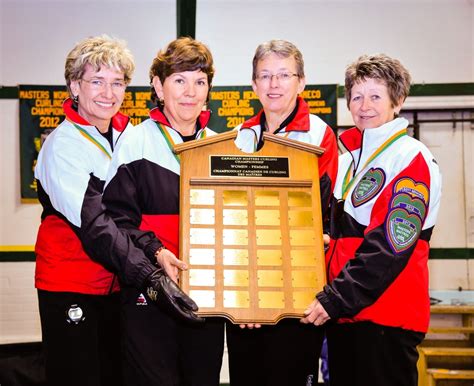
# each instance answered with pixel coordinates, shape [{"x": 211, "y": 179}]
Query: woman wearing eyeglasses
[
  {"x": 385, "y": 205},
  {"x": 287, "y": 353},
  {"x": 78, "y": 298}
]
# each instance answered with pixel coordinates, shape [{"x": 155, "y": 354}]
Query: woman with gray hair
[
  {"x": 78, "y": 298},
  {"x": 287, "y": 353},
  {"x": 383, "y": 212}
]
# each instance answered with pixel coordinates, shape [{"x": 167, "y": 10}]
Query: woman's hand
[
  {"x": 326, "y": 239},
  {"x": 315, "y": 314},
  {"x": 170, "y": 263}
]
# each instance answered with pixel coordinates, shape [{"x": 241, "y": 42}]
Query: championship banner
[
  {"x": 232, "y": 105},
  {"x": 41, "y": 112}
]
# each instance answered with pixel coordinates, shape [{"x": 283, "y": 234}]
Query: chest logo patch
[{"x": 368, "y": 187}]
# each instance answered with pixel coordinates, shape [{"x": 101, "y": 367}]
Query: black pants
[
  {"x": 86, "y": 353},
  {"x": 365, "y": 353},
  {"x": 161, "y": 352},
  {"x": 286, "y": 354}
]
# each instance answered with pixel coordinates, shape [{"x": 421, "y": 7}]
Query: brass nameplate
[
  {"x": 242, "y": 166},
  {"x": 202, "y": 216},
  {"x": 303, "y": 258},
  {"x": 236, "y": 299},
  {"x": 267, "y": 217},
  {"x": 268, "y": 237},
  {"x": 301, "y": 279},
  {"x": 235, "y": 256},
  {"x": 203, "y": 298},
  {"x": 302, "y": 237},
  {"x": 236, "y": 278},
  {"x": 303, "y": 299},
  {"x": 269, "y": 257},
  {"x": 235, "y": 237},
  {"x": 202, "y": 256},
  {"x": 201, "y": 196},
  {"x": 299, "y": 199},
  {"x": 300, "y": 218},
  {"x": 202, "y": 236},
  {"x": 235, "y": 217},
  {"x": 270, "y": 278},
  {"x": 202, "y": 277},
  {"x": 271, "y": 299},
  {"x": 235, "y": 197},
  {"x": 267, "y": 198}
]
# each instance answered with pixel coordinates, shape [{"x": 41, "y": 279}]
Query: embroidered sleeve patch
[
  {"x": 369, "y": 185},
  {"x": 411, "y": 205},
  {"x": 413, "y": 188},
  {"x": 406, "y": 214},
  {"x": 402, "y": 229}
]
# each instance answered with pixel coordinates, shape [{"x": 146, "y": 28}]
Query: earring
[{"x": 75, "y": 98}]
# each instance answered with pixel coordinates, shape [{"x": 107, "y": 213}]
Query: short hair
[
  {"x": 382, "y": 68},
  {"x": 182, "y": 54},
  {"x": 283, "y": 49},
  {"x": 99, "y": 51}
]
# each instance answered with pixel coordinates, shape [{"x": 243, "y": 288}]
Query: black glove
[{"x": 167, "y": 295}]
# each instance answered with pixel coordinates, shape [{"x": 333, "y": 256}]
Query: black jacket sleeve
[{"x": 107, "y": 243}]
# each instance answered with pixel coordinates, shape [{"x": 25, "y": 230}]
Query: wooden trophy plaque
[{"x": 250, "y": 228}]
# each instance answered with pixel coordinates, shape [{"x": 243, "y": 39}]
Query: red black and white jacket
[
  {"x": 142, "y": 190},
  {"x": 70, "y": 171},
  {"x": 300, "y": 126},
  {"x": 381, "y": 227}
]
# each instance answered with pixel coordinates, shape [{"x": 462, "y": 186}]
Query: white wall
[{"x": 433, "y": 38}]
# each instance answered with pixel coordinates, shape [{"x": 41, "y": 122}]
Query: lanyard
[
  {"x": 349, "y": 180},
  {"x": 85, "y": 134},
  {"x": 171, "y": 143},
  {"x": 256, "y": 141}
]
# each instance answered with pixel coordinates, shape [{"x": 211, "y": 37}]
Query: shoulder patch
[
  {"x": 369, "y": 185},
  {"x": 402, "y": 229},
  {"x": 413, "y": 188},
  {"x": 406, "y": 214},
  {"x": 411, "y": 205}
]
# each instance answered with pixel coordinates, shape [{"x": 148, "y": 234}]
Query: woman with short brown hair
[{"x": 142, "y": 196}]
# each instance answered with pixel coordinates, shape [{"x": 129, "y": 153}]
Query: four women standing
[{"x": 383, "y": 210}]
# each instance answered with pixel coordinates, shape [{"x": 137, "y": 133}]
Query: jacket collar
[
  {"x": 352, "y": 139},
  {"x": 119, "y": 120},
  {"x": 299, "y": 123},
  {"x": 157, "y": 115}
]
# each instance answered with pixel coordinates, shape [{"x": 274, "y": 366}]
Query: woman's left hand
[
  {"x": 315, "y": 314},
  {"x": 170, "y": 263}
]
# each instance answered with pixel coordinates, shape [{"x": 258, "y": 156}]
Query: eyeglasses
[
  {"x": 99, "y": 84},
  {"x": 281, "y": 76}
]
